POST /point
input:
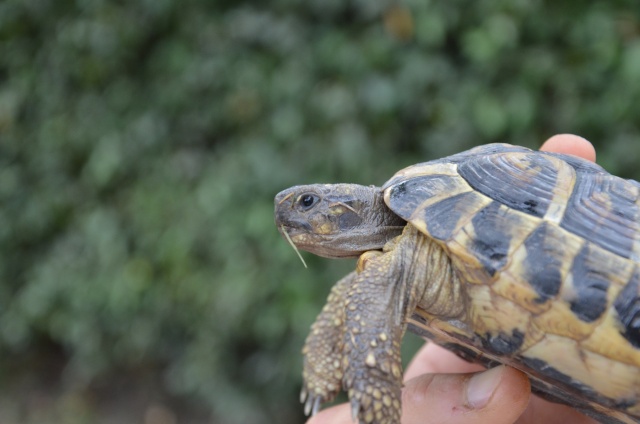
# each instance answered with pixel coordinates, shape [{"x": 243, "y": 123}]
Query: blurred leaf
[{"x": 142, "y": 143}]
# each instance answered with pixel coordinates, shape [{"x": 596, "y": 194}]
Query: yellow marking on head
[
  {"x": 326, "y": 228},
  {"x": 333, "y": 205}
]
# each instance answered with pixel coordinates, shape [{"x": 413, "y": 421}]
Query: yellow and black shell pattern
[{"x": 548, "y": 247}]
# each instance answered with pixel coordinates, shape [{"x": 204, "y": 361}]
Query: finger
[
  {"x": 340, "y": 414},
  {"x": 497, "y": 396},
  {"x": 432, "y": 358},
  {"x": 570, "y": 144}
]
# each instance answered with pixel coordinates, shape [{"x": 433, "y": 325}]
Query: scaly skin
[
  {"x": 374, "y": 329},
  {"x": 322, "y": 369},
  {"x": 355, "y": 341},
  {"x": 362, "y": 326}
]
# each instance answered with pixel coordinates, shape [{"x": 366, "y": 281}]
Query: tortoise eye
[{"x": 306, "y": 201}]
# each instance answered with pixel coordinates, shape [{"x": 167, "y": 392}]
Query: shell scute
[
  {"x": 418, "y": 192},
  {"x": 520, "y": 181},
  {"x": 491, "y": 243},
  {"x": 589, "y": 299},
  {"x": 603, "y": 210},
  {"x": 444, "y": 217},
  {"x": 627, "y": 307},
  {"x": 542, "y": 262},
  {"x": 548, "y": 247}
]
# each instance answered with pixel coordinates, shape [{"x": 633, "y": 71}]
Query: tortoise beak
[{"x": 283, "y": 203}]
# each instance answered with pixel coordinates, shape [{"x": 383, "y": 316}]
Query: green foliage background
[{"x": 141, "y": 144}]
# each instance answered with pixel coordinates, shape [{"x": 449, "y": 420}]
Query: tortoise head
[{"x": 336, "y": 220}]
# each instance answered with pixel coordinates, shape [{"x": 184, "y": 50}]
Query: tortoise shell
[{"x": 550, "y": 244}]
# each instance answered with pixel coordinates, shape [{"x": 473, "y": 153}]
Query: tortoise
[{"x": 501, "y": 254}]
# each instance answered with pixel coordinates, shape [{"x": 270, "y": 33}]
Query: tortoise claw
[
  {"x": 315, "y": 392},
  {"x": 316, "y": 406},
  {"x": 355, "y": 409},
  {"x": 311, "y": 403}
]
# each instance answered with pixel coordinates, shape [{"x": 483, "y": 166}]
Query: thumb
[{"x": 496, "y": 396}]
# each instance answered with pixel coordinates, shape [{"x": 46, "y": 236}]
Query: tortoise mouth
[
  {"x": 302, "y": 238},
  {"x": 292, "y": 231},
  {"x": 317, "y": 244}
]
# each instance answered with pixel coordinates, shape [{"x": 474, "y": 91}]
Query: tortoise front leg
[
  {"x": 377, "y": 305},
  {"x": 322, "y": 369}
]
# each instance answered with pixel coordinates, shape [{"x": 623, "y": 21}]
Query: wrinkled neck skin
[
  {"x": 427, "y": 278},
  {"x": 336, "y": 220}
]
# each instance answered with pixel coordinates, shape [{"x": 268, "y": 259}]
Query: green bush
[{"x": 142, "y": 142}]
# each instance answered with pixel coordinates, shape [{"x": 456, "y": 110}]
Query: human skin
[{"x": 440, "y": 387}]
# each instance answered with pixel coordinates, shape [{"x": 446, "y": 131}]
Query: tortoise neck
[{"x": 428, "y": 272}]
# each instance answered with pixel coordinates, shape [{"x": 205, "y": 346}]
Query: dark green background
[{"x": 142, "y": 142}]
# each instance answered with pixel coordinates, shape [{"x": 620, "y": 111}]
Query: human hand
[{"x": 440, "y": 387}]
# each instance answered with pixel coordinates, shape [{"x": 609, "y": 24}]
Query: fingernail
[{"x": 481, "y": 386}]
